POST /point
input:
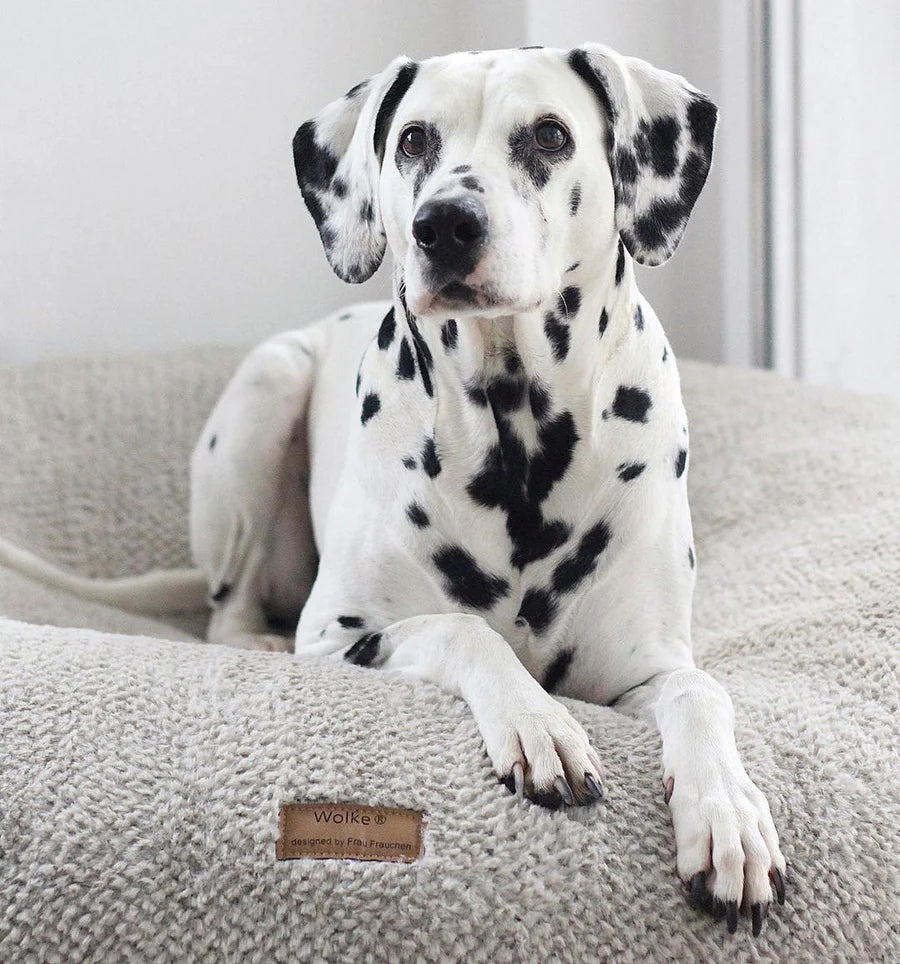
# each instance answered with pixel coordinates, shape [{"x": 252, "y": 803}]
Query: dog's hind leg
[
  {"x": 534, "y": 743},
  {"x": 251, "y": 533}
]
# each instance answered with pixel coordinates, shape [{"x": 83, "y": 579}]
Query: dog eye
[
  {"x": 550, "y": 135},
  {"x": 412, "y": 141}
]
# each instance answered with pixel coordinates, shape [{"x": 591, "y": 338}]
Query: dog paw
[
  {"x": 542, "y": 753},
  {"x": 727, "y": 845}
]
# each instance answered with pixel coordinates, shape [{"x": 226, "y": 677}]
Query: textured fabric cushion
[{"x": 140, "y": 778}]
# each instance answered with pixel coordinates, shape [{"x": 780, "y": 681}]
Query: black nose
[{"x": 450, "y": 231}]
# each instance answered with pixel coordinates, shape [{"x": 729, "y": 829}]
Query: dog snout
[{"x": 451, "y": 230}]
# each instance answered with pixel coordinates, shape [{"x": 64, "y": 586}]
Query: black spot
[
  {"x": 662, "y": 137},
  {"x": 638, "y": 318},
  {"x": 516, "y": 482},
  {"x": 449, "y": 334},
  {"x": 461, "y": 169},
  {"x": 423, "y": 354},
  {"x": 660, "y": 225},
  {"x": 358, "y": 381},
  {"x": 506, "y": 394},
  {"x": 538, "y": 609},
  {"x": 569, "y": 301},
  {"x": 581, "y": 64},
  {"x": 221, "y": 593},
  {"x": 575, "y": 200},
  {"x": 539, "y": 399},
  {"x": 476, "y": 394},
  {"x": 537, "y": 165},
  {"x": 580, "y": 564},
  {"x": 665, "y": 353},
  {"x": 356, "y": 89},
  {"x": 364, "y": 650},
  {"x": 339, "y": 186},
  {"x": 701, "y": 116},
  {"x": 533, "y": 47},
  {"x": 386, "y": 331},
  {"x": 472, "y": 183},
  {"x": 465, "y": 581},
  {"x": 680, "y": 463},
  {"x": 511, "y": 361},
  {"x": 371, "y": 404},
  {"x": 367, "y": 211},
  {"x": 572, "y": 267},
  {"x": 556, "y": 439},
  {"x": 346, "y": 316},
  {"x": 604, "y": 321},
  {"x": 406, "y": 366},
  {"x": 631, "y": 404},
  {"x": 351, "y": 622},
  {"x": 620, "y": 262},
  {"x": 402, "y": 82},
  {"x": 630, "y": 470},
  {"x": 557, "y": 332},
  {"x": 212, "y": 443},
  {"x": 417, "y": 515},
  {"x": 691, "y": 556},
  {"x": 430, "y": 460},
  {"x": 626, "y": 166},
  {"x": 554, "y": 673},
  {"x": 408, "y": 462}
]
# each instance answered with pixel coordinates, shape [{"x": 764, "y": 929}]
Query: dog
[{"x": 483, "y": 483}]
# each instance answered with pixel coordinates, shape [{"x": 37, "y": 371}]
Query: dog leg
[
  {"x": 251, "y": 532},
  {"x": 534, "y": 743},
  {"x": 726, "y": 842}
]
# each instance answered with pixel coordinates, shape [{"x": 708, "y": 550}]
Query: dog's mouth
[{"x": 459, "y": 298}]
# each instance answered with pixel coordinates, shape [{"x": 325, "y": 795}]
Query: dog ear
[
  {"x": 337, "y": 157},
  {"x": 659, "y": 146}
]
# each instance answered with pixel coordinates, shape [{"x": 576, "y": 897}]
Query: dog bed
[{"x": 141, "y": 771}]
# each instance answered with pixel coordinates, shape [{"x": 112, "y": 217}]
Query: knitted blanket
[{"x": 141, "y": 771}]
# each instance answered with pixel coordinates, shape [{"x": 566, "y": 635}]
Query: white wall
[
  {"x": 849, "y": 82},
  {"x": 147, "y": 193}
]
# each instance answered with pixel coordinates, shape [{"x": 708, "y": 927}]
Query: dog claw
[
  {"x": 594, "y": 788},
  {"x": 731, "y": 911},
  {"x": 757, "y": 915},
  {"x": 669, "y": 786},
  {"x": 778, "y": 880},
  {"x": 565, "y": 791},
  {"x": 698, "y": 890},
  {"x": 519, "y": 779}
]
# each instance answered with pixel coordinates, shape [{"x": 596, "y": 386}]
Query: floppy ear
[
  {"x": 337, "y": 156},
  {"x": 660, "y": 146}
]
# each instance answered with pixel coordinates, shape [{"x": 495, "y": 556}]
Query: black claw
[
  {"x": 669, "y": 789},
  {"x": 565, "y": 791},
  {"x": 731, "y": 909},
  {"x": 757, "y": 915},
  {"x": 779, "y": 884},
  {"x": 718, "y": 908},
  {"x": 364, "y": 650},
  {"x": 698, "y": 890},
  {"x": 509, "y": 781},
  {"x": 594, "y": 788}
]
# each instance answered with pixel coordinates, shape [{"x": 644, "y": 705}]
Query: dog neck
[{"x": 557, "y": 345}]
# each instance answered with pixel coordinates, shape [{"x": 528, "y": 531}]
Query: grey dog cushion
[{"x": 140, "y": 776}]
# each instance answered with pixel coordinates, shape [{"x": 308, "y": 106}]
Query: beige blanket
[{"x": 139, "y": 778}]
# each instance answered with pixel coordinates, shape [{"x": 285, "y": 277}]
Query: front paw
[
  {"x": 727, "y": 845},
  {"x": 542, "y": 753}
]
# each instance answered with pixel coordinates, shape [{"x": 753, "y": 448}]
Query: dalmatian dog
[{"x": 483, "y": 483}]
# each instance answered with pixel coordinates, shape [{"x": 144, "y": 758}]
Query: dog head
[{"x": 490, "y": 173}]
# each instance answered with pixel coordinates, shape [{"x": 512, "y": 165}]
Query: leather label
[{"x": 350, "y": 831}]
